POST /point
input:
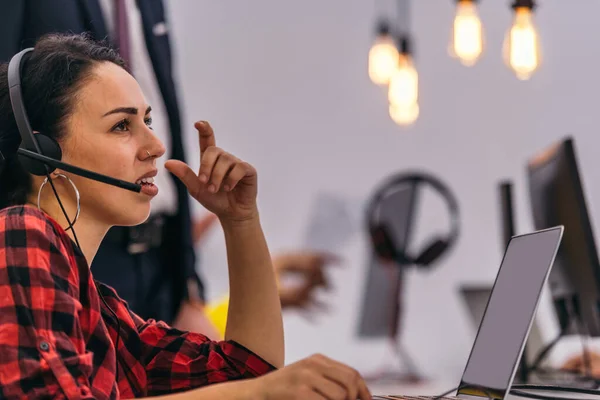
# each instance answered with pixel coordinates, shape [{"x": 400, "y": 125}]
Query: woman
[{"x": 62, "y": 335}]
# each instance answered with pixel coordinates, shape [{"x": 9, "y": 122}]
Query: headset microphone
[
  {"x": 40, "y": 154},
  {"x": 80, "y": 171}
]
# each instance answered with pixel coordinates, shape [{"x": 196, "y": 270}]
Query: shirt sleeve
[
  {"x": 42, "y": 350},
  {"x": 177, "y": 360}
]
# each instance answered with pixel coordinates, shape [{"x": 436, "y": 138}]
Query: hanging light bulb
[
  {"x": 383, "y": 56},
  {"x": 522, "y": 51},
  {"x": 404, "y": 115},
  {"x": 404, "y": 84},
  {"x": 467, "y": 33},
  {"x": 403, "y": 93}
]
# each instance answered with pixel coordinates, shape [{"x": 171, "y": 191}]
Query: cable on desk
[
  {"x": 438, "y": 397},
  {"x": 544, "y": 352},
  {"x": 587, "y": 362},
  {"x": 484, "y": 390}
]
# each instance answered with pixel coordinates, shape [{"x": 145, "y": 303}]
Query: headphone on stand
[{"x": 382, "y": 237}]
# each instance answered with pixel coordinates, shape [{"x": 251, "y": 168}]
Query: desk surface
[{"x": 434, "y": 388}]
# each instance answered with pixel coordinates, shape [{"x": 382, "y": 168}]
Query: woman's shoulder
[
  {"x": 26, "y": 226},
  {"x": 32, "y": 240}
]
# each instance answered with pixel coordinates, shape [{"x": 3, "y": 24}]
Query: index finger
[
  {"x": 363, "y": 390},
  {"x": 206, "y": 136}
]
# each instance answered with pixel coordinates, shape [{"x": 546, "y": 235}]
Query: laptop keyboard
[
  {"x": 562, "y": 378},
  {"x": 399, "y": 397}
]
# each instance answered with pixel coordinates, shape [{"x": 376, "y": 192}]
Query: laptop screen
[{"x": 509, "y": 313}]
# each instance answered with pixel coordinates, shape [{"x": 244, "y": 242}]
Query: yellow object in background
[{"x": 216, "y": 312}]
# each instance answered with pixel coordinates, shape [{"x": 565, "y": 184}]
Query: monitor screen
[
  {"x": 557, "y": 198},
  {"x": 510, "y": 311}
]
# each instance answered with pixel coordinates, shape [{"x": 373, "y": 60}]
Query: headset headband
[
  {"x": 16, "y": 99},
  {"x": 415, "y": 178}
]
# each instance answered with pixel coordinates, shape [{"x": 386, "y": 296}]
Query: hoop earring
[{"x": 76, "y": 196}]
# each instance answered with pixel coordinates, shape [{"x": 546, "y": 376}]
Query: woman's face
[{"x": 109, "y": 132}]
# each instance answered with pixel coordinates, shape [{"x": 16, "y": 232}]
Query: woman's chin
[{"x": 135, "y": 216}]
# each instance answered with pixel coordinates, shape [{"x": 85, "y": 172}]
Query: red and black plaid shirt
[{"x": 57, "y": 337}]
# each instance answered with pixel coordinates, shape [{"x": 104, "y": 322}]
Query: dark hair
[{"x": 52, "y": 74}]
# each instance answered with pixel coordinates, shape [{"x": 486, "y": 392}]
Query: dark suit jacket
[{"x": 22, "y": 22}]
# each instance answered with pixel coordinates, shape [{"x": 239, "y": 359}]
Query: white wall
[{"x": 285, "y": 85}]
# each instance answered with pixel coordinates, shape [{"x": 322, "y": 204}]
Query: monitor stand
[
  {"x": 390, "y": 374},
  {"x": 523, "y": 370}
]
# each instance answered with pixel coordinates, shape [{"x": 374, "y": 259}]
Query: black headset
[
  {"x": 382, "y": 238},
  {"x": 40, "y": 154}
]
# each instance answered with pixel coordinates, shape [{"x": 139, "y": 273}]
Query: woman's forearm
[{"x": 254, "y": 317}]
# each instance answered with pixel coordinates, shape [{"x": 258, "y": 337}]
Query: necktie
[{"x": 122, "y": 31}]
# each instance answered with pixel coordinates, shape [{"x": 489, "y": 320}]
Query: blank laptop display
[{"x": 510, "y": 311}]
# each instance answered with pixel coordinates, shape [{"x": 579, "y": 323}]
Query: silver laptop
[{"x": 508, "y": 317}]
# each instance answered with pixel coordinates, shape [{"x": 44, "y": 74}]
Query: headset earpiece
[
  {"x": 50, "y": 148},
  {"x": 432, "y": 252},
  {"x": 383, "y": 245},
  {"x": 382, "y": 242}
]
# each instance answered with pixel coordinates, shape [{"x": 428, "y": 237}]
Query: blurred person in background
[
  {"x": 152, "y": 266},
  {"x": 588, "y": 365}
]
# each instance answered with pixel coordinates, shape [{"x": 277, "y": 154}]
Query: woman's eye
[
  {"x": 148, "y": 122},
  {"x": 121, "y": 126}
]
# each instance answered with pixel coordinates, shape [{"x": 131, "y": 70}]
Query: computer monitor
[
  {"x": 381, "y": 311},
  {"x": 557, "y": 198},
  {"x": 507, "y": 217}
]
